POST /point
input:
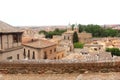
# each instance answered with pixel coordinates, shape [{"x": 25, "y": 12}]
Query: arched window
[
  {"x": 28, "y": 54},
  {"x": 33, "y": 57},
  {"x": 24, "y": 54}
]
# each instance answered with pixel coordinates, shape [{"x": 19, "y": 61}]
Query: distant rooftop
[
  {"x": 6, "y": 28},
  {"x": 69, "y": 32}
]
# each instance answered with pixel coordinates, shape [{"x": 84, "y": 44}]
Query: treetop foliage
[
  {"x": 98, "y": 31},
  {"x": 114, "y": 51},
  {"x": 51, "y": 33}
]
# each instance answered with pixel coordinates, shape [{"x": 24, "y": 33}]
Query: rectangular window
[
  {"x": 9, "y": 58},
  {"x": 55, "y": 50},
  {"x": 33, "y": 55},
  {"x": 28, "y": 54},
  {"x": 45, "y": 55},
  {"x": 18, "y": 56},
  {"x": 15, "y": 38},
  {"x": 19, "y": 38},
  {"x": 50, "y": 51},
  {"x": 24, "y": 54}
]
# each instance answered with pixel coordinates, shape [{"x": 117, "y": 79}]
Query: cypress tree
[{"x": 75, "y": 37}]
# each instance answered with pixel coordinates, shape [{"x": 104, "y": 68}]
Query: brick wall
[{"x": 39, "y": 67}]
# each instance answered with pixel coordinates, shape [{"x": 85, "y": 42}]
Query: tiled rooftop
[
  {"x": 41, "y": 43},
  {"x": 6, "y": 28}
]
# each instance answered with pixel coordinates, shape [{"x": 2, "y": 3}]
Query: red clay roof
[{"x": 39, "y": 43}]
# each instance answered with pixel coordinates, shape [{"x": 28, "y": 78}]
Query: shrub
[{"x": 78, "y": 45}]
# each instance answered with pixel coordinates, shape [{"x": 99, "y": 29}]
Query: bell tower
[
  {"x": 69, "y": 27},
  {"x": 76, "y": 28}
]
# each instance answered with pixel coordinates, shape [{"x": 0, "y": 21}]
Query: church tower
[
  {"x": 76, "y": 28},
  {"x": 69, "y": 27}
]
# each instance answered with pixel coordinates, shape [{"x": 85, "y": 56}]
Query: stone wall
[{"x": 44, "y": 66}]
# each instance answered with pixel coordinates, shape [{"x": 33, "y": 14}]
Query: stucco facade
[
  {"x": 40, "y": 50},
  {"x": 45, "y": 53}
]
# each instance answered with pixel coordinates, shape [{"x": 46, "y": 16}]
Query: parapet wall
[{"x": 37, "y": 67}]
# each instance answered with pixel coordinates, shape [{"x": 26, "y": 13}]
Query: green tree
[
  {"x": 42, "y": 31},
  {"x": 75, "y": 37},
  {"x": 94, "y": 29},
  {"x": 51, "y": 33},
  {"x": 98, "y": 31},
  {"x": 81, "y": 27},
  {"x": 114, "y": 51},
  {"x": 78, "y": 45}
]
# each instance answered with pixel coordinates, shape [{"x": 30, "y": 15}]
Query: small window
[
  {"x": 28, "y": 54},
  {"x": 99, "y": 48},
  {"x": 24, "y": 54},
  {"x": 68, "y": 38},
  {"x": 15, "y": 38},
  {"x": 50, "y": 51},
  {"x": 19, "y": 38},
  {"x": 18, "y": 56},
  {"x": 95, "y": 49},
  {"x": 45, "y": 55},
  {"x": 33, "y": 57},
  {"x": 9, "y": 58},
  {"x": 55, "y": 50}
]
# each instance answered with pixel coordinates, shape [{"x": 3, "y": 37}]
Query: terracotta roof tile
[{"x": 39, "y": 43}]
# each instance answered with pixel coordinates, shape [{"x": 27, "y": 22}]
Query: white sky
[{"x": 59, "y": 12}]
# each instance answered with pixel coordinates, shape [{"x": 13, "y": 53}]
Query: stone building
[
  {"x": 95, "y": 46},
  {"x": 10, "y": 42},
  {"x": 68, "y": 35},
  {"x": 84, "y": 37},
  {"x": 67, "y": 41},
  {"x": 41, "y": 49}
]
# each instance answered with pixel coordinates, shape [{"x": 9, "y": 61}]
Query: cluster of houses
[{"x": 15, "y": 45}]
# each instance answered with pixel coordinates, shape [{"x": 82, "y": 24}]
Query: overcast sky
[{"x": 59, "y": 12}]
